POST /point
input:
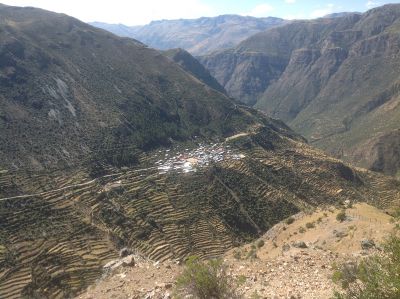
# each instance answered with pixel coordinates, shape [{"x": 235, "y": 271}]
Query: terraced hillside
[
  {"x": 54, "y": 242},
  {"x": 89, "y": 123}
]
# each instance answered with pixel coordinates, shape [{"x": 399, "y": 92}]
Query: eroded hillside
[
  {"x": 334, "y": 80},
  {"x": 108, "y": 144}
]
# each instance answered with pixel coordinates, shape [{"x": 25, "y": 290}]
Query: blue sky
[
  {"x": 139, "y": 12},
  {"x": 293, "y": 9}
]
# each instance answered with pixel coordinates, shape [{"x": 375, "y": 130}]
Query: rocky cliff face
[{"x": 336, "y": 80}]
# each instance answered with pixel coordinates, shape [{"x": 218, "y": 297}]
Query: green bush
[
  {"x": 310, "y": 225},
  {"x": 260, "y": 243},
  {"x": 341, "y": 216},
  {"x": 289, "y": 220},
  {"x": 237, "y": 254},
  {"x": 206, "y": 280},
  {"x": 377, "y": 276},
  {"x": 252, "y": 254}
]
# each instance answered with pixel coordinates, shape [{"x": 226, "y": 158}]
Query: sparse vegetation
[
  {"x": 260, "y": 243},
  {"x": 252, "y": 254},
  {"x": 289, "y": 220},
  {"x": 302, "y": 230},
  {"x": 310, "y": 225},
  {"x": 204, "y": 280},
  {"x": 341, "y": 216},
  {"x": 237, "y": 254},
  {"x": 255, "y": 295},
  {"x": 241, "y": 280},
  {"x": 377, "y": 276}
]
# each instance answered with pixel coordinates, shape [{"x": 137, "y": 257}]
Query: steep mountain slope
[
  {"x": 334, "y": 80},
  {"x": 107, "y": 144},
  {"x": 340, "y": 14},
  {"x": 249, "y": 69},
  {"x": 194, "y": 67},
  {"x": 198, "y": 36},
  {"x": 68, "y": 89}
]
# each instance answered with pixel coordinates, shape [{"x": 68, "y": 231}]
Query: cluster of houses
[{"x": 191, "y": 160}]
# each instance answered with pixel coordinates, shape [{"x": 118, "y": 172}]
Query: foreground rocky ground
[{"x": 293, "y": 260}]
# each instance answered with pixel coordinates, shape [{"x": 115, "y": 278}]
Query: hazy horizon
[{"x": 141, "y": 13}]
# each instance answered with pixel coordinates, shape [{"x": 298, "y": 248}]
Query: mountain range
[
  {"x": 334, "y": 80},
  {"x": 197, "y": 36},
  {"x": 107, "y": 144}
]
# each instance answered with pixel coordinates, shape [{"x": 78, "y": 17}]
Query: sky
[{"x": 141, "y": 12}]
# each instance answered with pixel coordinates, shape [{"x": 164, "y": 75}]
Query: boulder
[
  {"x": 367, "y": 244},
  {"x": 300, "y": 244},
  {"x": 124, "y": 252},
  {"x": 128, "y": 261}
]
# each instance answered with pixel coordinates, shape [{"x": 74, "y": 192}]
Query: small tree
[
  {"x": 206, "y": 280},
  {"x": 377, "y": 276},
  {"x": 341, "y": 216}
]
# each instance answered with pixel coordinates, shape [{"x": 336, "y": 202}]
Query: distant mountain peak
[
  {"x": 340, "y": 14},
  {"x": 197, "y": 36}
]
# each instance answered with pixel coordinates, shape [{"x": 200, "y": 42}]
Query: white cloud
[
  {"x": 132, "y": 12},
  {"x": 290, "y": 1},
  {"x": 371, "y": 4},
  {"x": 261, "y": 10}
]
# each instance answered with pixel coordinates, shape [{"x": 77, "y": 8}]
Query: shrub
[
  {"x": 241, "y": 280},
  {"x": 310, "y": 225},
  {"x": 260, "y": 243},
  {"x": 237, "y": 254},
  {"x": 205, "y": 280},
  {"x": 302, "y": 230},
  {"x": 375, "y": 277},
  {"x": 289, "y": 220},
  {"x": 252, "y": 253},
  {"x": 255, "y": 295},
  {"x": 341, "y": 216}
]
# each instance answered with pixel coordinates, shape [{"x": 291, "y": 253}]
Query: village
[{"x": 191, "y": 160}]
